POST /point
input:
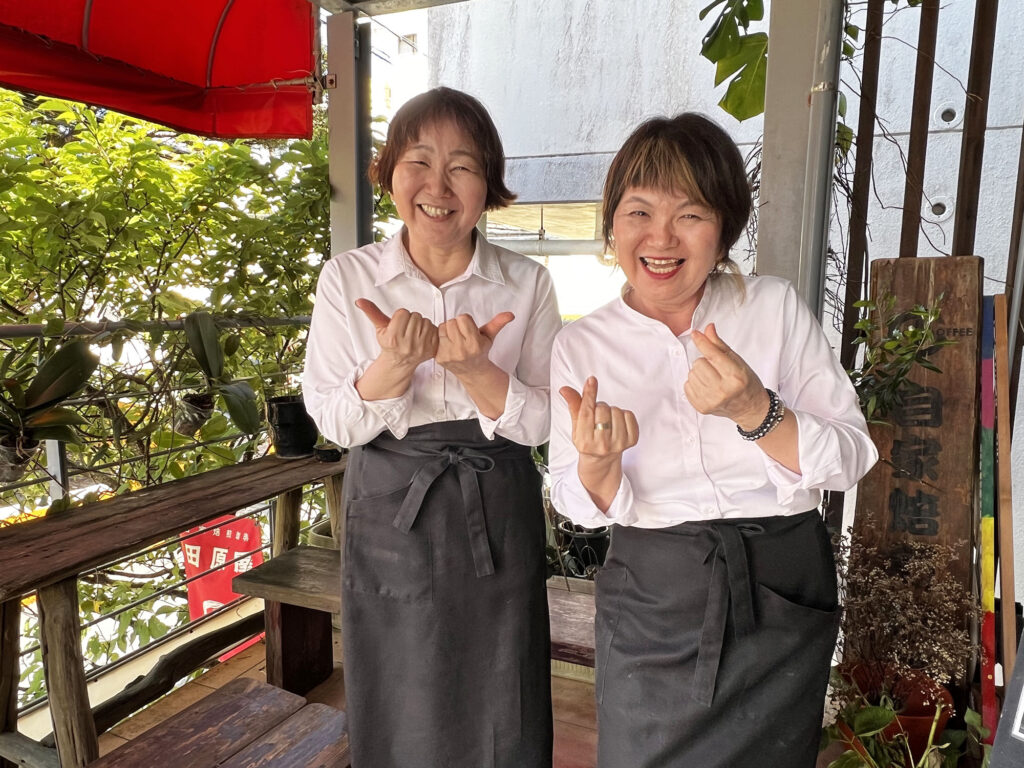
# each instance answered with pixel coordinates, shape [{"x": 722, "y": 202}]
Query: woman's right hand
[
  {"x": 599, "y": 431},
  {"x": 406, "y": 338}
]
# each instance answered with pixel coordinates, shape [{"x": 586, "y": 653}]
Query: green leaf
[
  {"x": 872, "y": 720},
  {"x": 60, "y": 376},
  {"x": 231, "y": 344},
  {"x": 240, "y": 400},
  {"x": 848, "y": 50},
  {"x": 745, "y": 96},
  {"x": 707, "y": 9},
  {"x": 54, "y": 326},
  {"x": 723, "y": 40},
  {"x": 201, "y": 333},
  {"x": 64, "y": 434},
  {"x": 55, "y": 416},
  {"x": 852, "y": 31}
]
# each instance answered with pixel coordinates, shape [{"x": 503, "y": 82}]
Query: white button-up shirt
[
  {"x": 342, "y": 342},
  {"x": 688, "y": 466}
]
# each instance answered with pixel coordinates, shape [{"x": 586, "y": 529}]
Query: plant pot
[
  {"x": 292, "y": 431},
  {"x": 191, "y": 412},
  {"x": 14, "y": 459},
  {"x": 587, "y": 547},
  {"x": 320, "y": 536},
  {"x": 917, "y": 696}
]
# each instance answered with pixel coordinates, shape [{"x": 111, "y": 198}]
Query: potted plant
[
  {"x": 30, "y": 397},
  {"x": 905, "y": 635},
  {"x": 292, "y": 430},
  {"x": 193, "y": 409}
]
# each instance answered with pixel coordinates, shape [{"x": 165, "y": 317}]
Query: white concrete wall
[
  {"x": 567, "y": 81},
  {"x": 570, "y": 80}
]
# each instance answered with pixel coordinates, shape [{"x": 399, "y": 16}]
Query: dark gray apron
[
  {"x": 714, "y": 641},
  {"x": 444, "y": 606}
]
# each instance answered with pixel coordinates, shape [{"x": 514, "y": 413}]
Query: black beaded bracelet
[{"x": 776, "y": 410}]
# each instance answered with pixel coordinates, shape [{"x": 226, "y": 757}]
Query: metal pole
[{"x": 820, "y": 151}]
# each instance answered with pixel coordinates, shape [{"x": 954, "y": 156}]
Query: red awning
[{"x": 226, "y": 68}]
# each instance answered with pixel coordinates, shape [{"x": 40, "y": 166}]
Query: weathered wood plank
[
  {"x": 572, "y": 626},
  {"x": 306, "y": 576},
  {"x": 23, "y": 751},
  {"x": 53, "y": 548},
  {"x": 60, "y": 635},
  {"x": 286, "y": 521},
  {"x": 10, "y": 630},
  {"x": 314, "y": 737},
  {"x": 924, "y": 486},
  {"x": 210, "y": 731},
  {"x": 169, "y": 670},
  {"x": 300, "y": 646}
]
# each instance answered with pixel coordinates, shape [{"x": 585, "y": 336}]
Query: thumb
[
  {"x": 499, "y": 321},
  {"x": 372, "y": 311},
  {"x": 574, "y": 400}
]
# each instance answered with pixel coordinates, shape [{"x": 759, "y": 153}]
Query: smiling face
[
  {"x": 439, "y": 189},
  {"x": 666, "y": 244}
]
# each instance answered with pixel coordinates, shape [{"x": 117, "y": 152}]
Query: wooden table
[
  {"x": 302, "y": 588},
  {"x": 245, "y": 723}
]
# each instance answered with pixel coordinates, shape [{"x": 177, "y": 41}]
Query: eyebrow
[
  {"x": 461, "y": 152},
  {"x": 644, "y": 201}
]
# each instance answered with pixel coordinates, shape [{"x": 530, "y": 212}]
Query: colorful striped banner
[{"x": 989, "y": 703}]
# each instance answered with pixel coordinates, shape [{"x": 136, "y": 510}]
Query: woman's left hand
[
  {"x": 722, "y": 384},
  {"x": 463, "y": 348}
]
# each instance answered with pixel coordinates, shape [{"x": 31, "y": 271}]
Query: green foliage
[
  {"x": 738, "y": 55},
  {"x": 103, "y": 216},
  {"x": 895, "y": 344},
  {"x": 201, "y": 333},
  {"x": 30, "y": 394}
]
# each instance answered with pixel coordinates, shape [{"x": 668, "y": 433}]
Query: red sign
[{"x": 225, "y": 546}]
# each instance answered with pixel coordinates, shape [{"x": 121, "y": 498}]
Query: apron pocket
[
  {"x": 776, "y": 610},
  {"x": 379, "y": 558}
]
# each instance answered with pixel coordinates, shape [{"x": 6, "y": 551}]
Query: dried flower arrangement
[{"x": 904, "y": 634}]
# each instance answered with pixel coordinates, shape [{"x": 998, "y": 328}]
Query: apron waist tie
[
  {"x": 468, "y": 462},
  {"x": 730, "y": 585}
]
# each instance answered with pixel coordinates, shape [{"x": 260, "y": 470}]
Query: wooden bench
[
  {"x": 48, "y": 554},
  {"x": 302, "y": 588},
  {"x": 245, "y": 724}
]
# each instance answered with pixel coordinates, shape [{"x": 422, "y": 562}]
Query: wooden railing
[{"x": 48, "y": 555}]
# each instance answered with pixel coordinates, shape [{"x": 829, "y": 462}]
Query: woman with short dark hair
[
  {"x": 724, "y": 414},
  {"x": 439, "y": 385}
]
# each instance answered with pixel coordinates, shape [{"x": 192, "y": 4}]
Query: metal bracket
[{"x": 330, "y": 81}]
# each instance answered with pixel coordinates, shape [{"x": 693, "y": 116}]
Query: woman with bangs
[
  {"x": 723, "y": 414},
  {"x": 428, "y": 357}
]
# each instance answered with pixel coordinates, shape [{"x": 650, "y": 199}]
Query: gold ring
[{"x": 603, "y": 425}]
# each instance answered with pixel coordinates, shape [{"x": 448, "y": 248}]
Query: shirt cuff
[
  {"x": 585, "y": 512},
  {"x": 820, "y": 460},
  {"x": 393, "y": 411},
  {"x": 515, "y": 399}
]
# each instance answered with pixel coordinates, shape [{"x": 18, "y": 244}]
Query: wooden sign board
[{"x": 923, "y": 487}]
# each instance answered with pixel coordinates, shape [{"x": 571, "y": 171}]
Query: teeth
[
  {"x": 434, "y": 213},
  {"x": 661, "y": 266}
]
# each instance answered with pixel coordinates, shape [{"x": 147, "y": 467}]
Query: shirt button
[
  {"x": 438, "y": 374},
  {"x": 691, "y": 440},
  {"x": 439, "y": 413}
]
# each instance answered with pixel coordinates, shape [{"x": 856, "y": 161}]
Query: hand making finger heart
[
  {"x": 599, "y": 430},
  {"x": 721, "y": 383},
  {"x": 406, "y": 338},
  {"x": 463, "y": 348}
]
